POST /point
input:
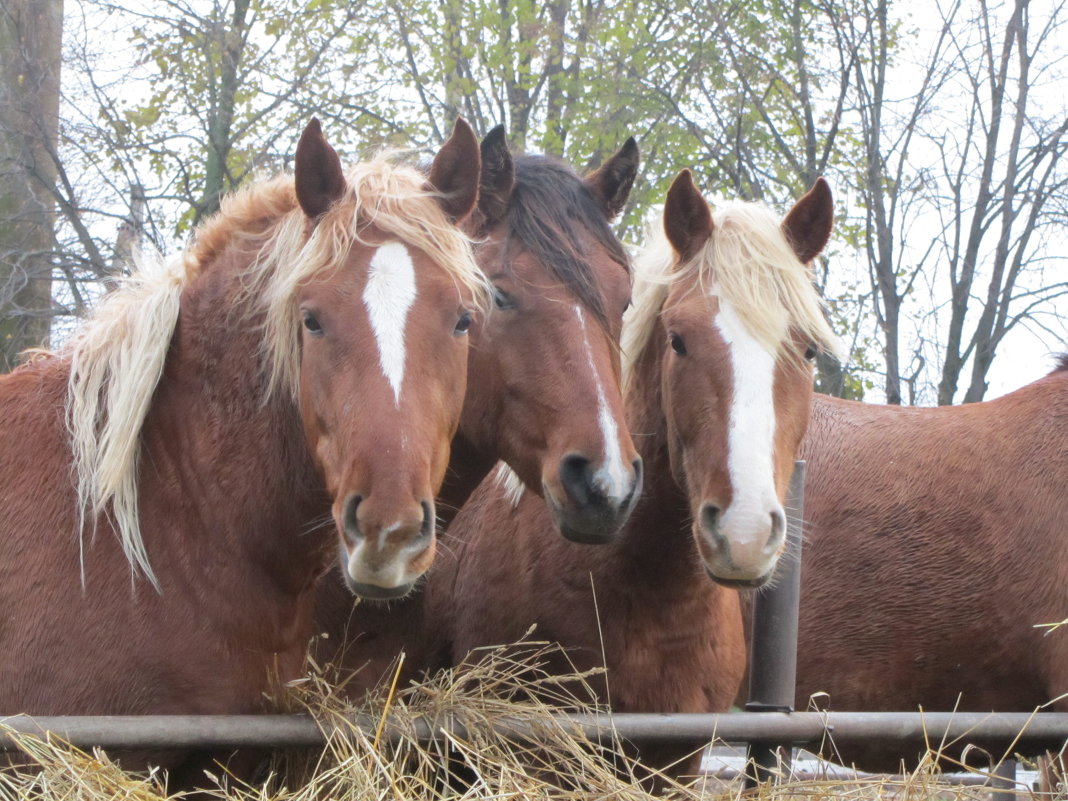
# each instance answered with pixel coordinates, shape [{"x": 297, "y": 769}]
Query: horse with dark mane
[
  {"x": 543, "y": 375},
  {"x": 177, "y": 478},
  {"x": 717, "y": 397},
  {"x": 935, "y": 551}
]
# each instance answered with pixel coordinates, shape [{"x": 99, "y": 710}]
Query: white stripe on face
[
  {"x": 751, "y": 434},
  {"x": 389, "y": 294},
  {"x": 613, "y": 477}
]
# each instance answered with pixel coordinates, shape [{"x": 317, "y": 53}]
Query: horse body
[
  {"x": 933, "y": 550},
  {"x": 643, "y": 606},
  {"x": 163, "y": 531},
  {"x": 117, "y": 645}
]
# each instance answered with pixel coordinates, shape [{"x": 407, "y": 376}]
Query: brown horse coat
[
  {"x": 935, "y": 546},
  {"x": 234, "y": 502}
]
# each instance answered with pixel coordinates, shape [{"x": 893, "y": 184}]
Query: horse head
[
  {"x": 383, "y": 358},
  {"x": 740, "y": 325},
  {"x": 547, "y": 396}
]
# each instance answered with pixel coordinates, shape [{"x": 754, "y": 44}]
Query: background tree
[
  {"x": 30, "y": 39},
  {"x": 951, "y": 189},
  {"x": 960, "y": 183}
]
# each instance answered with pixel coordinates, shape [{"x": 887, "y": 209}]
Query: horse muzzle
[
  {"x": 587, "y": 508},
  {"x": 740, "y": 550},
  {"x": 384, "y": 560}
]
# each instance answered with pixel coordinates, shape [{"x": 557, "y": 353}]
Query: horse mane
[
  {"x": 117, "y": 357},
  {"x": 1062, "y": 363},
  {"x": 748, "y": 262},
  {"x": 550, "y": 211}
]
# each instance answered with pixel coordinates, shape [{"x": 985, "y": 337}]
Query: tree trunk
[
  {"x": 30, "y": 37},
  {"x": 556, "y": 76},
  {"x": 221, "y": 116},
  {"x": 997, "y": 81}
]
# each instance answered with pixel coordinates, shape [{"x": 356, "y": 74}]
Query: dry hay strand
[
  {"x": 54, "y": 770},
  {"x": 481, "y": 762}
]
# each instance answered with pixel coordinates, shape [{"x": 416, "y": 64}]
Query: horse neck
[
  {"x": 468, "y": 466},
  {"x": 236, "y": 465}
]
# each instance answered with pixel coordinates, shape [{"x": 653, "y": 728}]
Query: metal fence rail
[{"x": 992, "y": 730}]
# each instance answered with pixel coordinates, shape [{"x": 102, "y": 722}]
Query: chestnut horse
[
  {"x": 935, "y": 546},
  {"x": 717, "y": 397},
  {"x": 544, "y": 374},
  {"x": 170, "y": 478}
]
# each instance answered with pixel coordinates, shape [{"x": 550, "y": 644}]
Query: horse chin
[
  {"x": 740, "y": 584},
  {"x": 587, "y": 527},
  {"x": 372, "y": 592},
  {"x": 600, "y": 525}
]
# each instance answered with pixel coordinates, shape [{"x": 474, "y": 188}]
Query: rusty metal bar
[
  {"x": 1030, "y": 733},
  {"x": 773, "y": 648}
]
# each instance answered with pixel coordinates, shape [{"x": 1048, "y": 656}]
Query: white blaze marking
[
  {"x": 613, "y": 476},
  {"x": 751, "y": 434},
  {"x": 389, "y": 294}
]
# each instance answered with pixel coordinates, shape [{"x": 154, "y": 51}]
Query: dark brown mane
[
  {"x": 1062, "y": 363},
  {"x": 550, "y": 213}
]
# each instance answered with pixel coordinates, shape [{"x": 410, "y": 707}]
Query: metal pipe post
[
  {"x": 1003, "y": 782},
  {"x": 773, "y": 646}
]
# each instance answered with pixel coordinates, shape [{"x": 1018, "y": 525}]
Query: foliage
[{"x": 169, "y": 104}]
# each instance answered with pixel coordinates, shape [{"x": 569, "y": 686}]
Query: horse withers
[
  {"x": 717, "y": 396},
  {"x": 177, "y": 478},
  {"x": 544, "y": 380}
]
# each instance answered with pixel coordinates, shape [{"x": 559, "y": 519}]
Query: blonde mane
[
  {"x": 748, "y": 262},
  {"x": 117, "y": 357}
]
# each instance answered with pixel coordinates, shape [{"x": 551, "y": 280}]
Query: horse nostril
[
  {"x": 636, "y": 484},
  {"x": 349, "y": 521},
  {"x": 576, "y": 476},
  {"x": 778, "y": 528},
  {"x": 710, "y": 520},
  {"x": 426, "y": 530}
]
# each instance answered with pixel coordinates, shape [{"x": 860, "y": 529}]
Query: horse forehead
[
  {"x": 506, "y": 255},
  {"x": 393, "y": 266},
  {"x": 694, "y": 304}
]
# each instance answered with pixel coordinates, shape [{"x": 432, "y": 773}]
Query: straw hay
[{"x": 486, "y": 765}]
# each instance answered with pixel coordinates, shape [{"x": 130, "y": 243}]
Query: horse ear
[
  {"x": 808, "y": 224},
  {"x": 317, "y": 171},
  {"x": 687, "y": 218},
  {"x": 455, "y": 171},
  {"x": 497, "y": 179},
  {"x": 611, "y": 182}
]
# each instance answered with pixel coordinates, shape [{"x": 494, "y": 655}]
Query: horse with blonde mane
[
  {"x": 178, "y": 477},
  {"x": 718, "y": 384},
  {"x": 561, "y": 282}
]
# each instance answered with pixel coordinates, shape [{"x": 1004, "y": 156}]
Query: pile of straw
[{"x": 356, "y": 766}]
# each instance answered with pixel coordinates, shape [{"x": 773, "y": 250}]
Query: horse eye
[
  {"x": 312, "y": 324},
  {"x": 502, "y": 300},
  {"x": 678, "y": 345},
  {"x": 810, "y": 352},
  {"x": 463, "y": 324}
]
